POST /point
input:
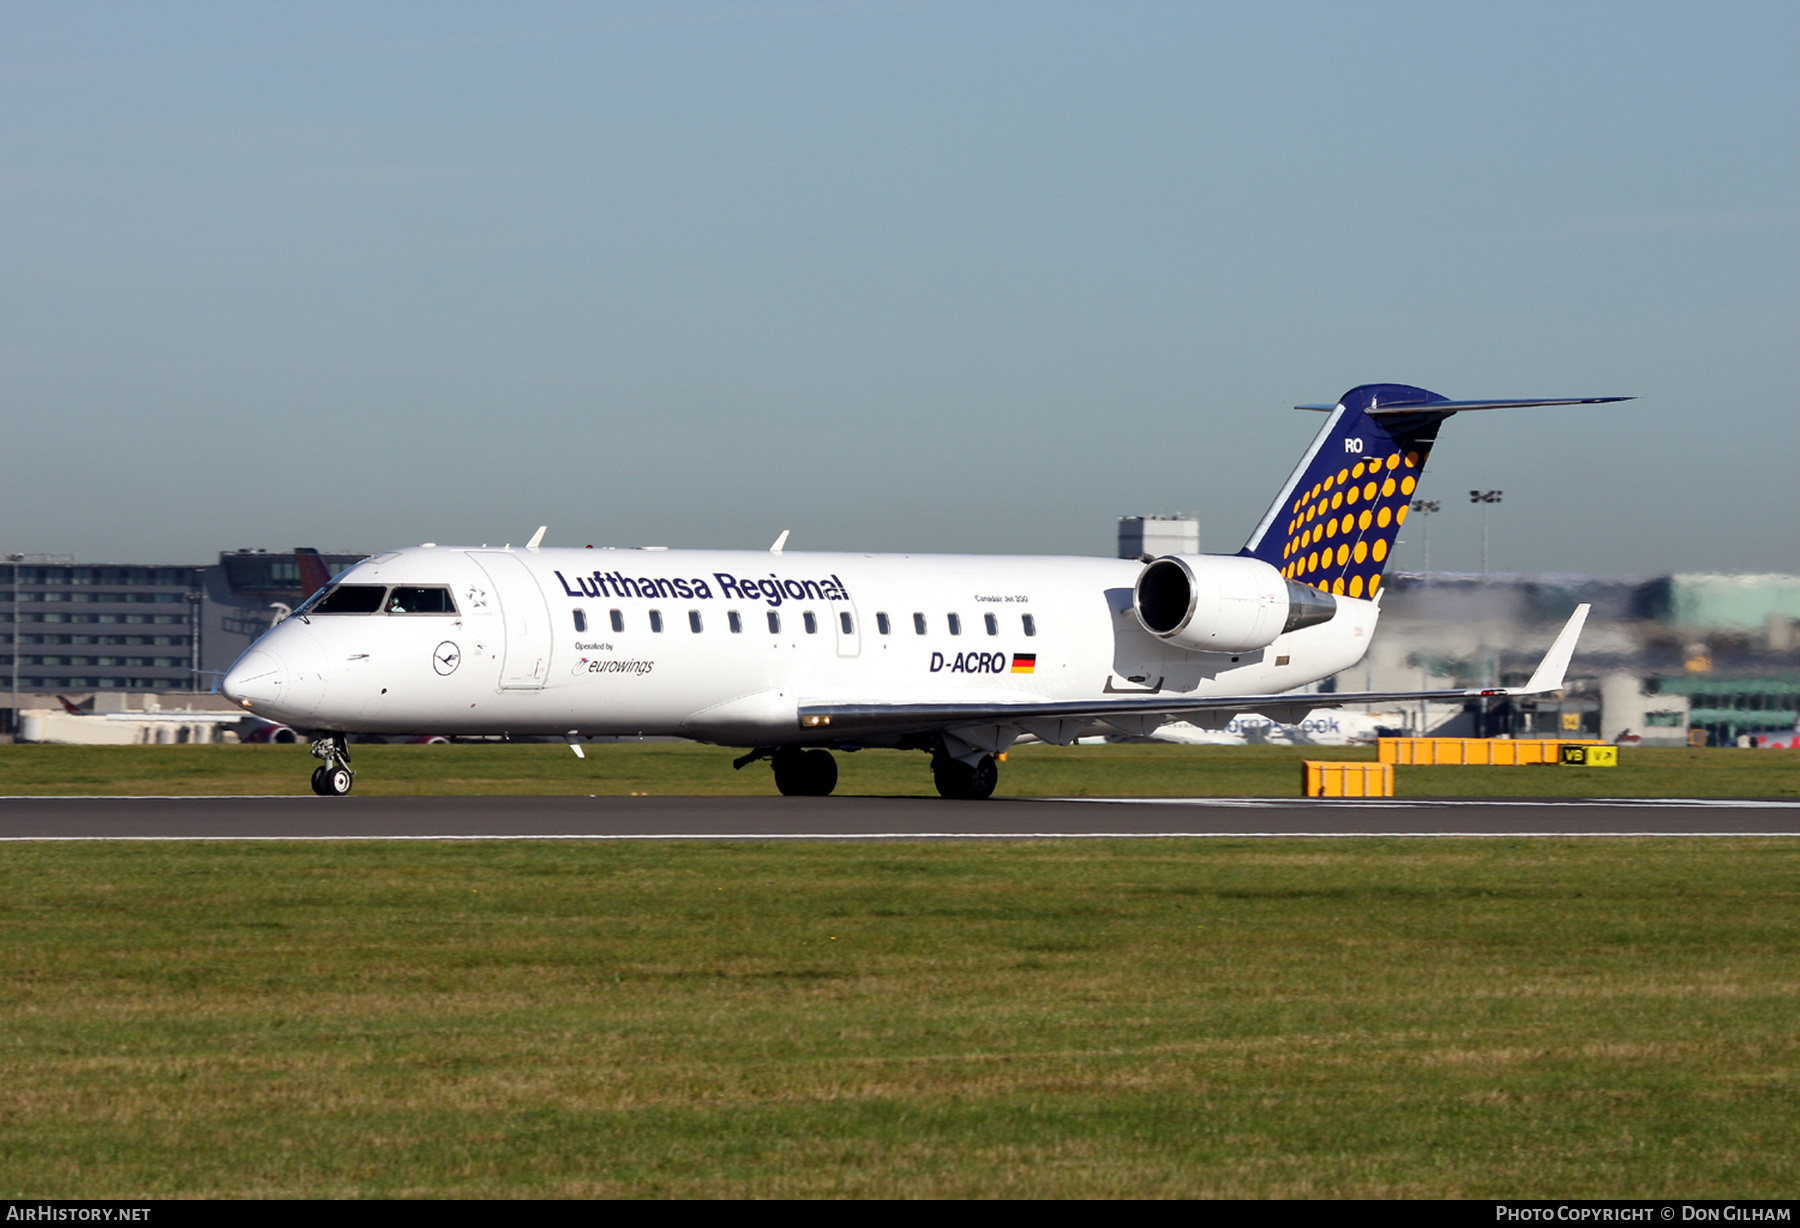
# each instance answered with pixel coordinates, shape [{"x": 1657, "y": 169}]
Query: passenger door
[{"x": 526, "y": 660}]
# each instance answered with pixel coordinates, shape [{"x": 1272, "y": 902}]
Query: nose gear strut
[{"x": 336, "y": 776}]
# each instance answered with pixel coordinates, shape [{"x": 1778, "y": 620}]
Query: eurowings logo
[{"x": 612, "y": 665}]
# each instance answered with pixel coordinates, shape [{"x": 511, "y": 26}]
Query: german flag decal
[{"x": 1024, "y": 662}]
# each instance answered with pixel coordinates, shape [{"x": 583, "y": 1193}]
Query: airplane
[
  {"x": 794, "y": 656},
  {"x": 1324, "y": 726}
]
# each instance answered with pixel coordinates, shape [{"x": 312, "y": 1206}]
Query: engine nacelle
[{"x": 1224, "y": 602}]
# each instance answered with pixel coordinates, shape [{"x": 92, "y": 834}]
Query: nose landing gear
[{"x": 335, "y": 777}]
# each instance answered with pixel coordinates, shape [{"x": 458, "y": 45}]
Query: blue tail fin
[{"x": 1334, "y": 524}]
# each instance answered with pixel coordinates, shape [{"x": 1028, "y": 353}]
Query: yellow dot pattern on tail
[
  {"x": 1342, "y": 510},
  {"x": 1378, "y": 491}
]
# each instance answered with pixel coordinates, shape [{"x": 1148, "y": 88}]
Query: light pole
[
  {"x": 196, "y": 600},
  {"x": 1425, "y": 507},
  {"x": 1484, "y": 497},
  {"x": 15, "y": 560}
]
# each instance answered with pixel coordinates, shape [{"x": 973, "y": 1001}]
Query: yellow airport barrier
[
  {"x": 1590, "y": 756},
  {"x": 1476, "y": 752},
  {"x": 1336, "y": 778}
]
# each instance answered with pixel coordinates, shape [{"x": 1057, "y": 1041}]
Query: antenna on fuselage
[
  {"x": 536, "y": 538},
  {"x": 780, "y": 542}
]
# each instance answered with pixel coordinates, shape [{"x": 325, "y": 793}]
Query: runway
[{"x": 867, "y": 818}]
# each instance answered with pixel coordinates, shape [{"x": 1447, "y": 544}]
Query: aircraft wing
[{"x": 879, "y": 718}]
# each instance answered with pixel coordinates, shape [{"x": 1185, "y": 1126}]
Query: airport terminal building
[
  {"x": 73, "y": 629},
  {"x": 1664, "y": 660}
]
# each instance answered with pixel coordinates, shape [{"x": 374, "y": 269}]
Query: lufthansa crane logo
[{"x": 445, "y": 658}]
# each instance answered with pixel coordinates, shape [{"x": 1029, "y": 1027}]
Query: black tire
[
  {"x": 332, "y": 781},
  {"x": 957, "y": 780},
  {"x": 822, "y": 769},
  {"x": 790, "y": 772},
  {"x": 805, "y": 773},
  {"x": 984, "y": 778}
]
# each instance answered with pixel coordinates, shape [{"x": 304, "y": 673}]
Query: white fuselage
[{"x": 510, "y": 659}]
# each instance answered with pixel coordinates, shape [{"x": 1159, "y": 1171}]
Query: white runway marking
[
  {"x": 1402, "y": 803},
  {"x": 1252, "y": 803},
  {"x": 592, "y": 817},
  {"x": 965, "y": 835}
]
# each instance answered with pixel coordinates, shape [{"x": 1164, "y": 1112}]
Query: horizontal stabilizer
[{"x": 1451, "y": 407}]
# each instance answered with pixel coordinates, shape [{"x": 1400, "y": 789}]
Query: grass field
[
  {"x": 1384, "y": 1017},
  {"x": 1394, "y": 1018},
  {"x": 689, "y": 769}
]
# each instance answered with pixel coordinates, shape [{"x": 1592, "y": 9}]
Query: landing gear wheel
[
  {"x": 332, "y": 781},
  {"x": 805, "y": 773},
  {"x": 335, "y": 778},
  {"x": 956, "y": 779}
]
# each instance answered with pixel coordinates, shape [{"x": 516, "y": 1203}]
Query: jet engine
[{"x": 1224, "y": 602}]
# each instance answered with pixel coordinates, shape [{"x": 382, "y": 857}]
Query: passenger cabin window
[
  {"x": 882, "y": 625},
  {"x": 993, "y": 624},
  {"x": 656, "y": 620},
  {"x": 955, "y": 621},
  {"x": 694, "y": 621},
  {"x": 734, "y": 622},
  {"x": 845, "y": 623},
  {"x": 347, "y": 599},
  {"x": 918, "y": 624},
  {"x": 618, "y": 620},
  {"x": 774, "y": 623},
  {"x": 1030, "y": 624},
  {"x": 580, "y": 620},
  {"x": 812, "y": 624},
  {"x": 412, "y": 600}
]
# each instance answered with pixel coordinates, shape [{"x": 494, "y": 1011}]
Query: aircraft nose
[
  {"x": 285, "y": 681},
  {"x": 255, "y": 678}
]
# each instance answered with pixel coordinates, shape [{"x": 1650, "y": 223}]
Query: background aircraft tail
[
  {"x": 1334, "y": 523},
  {"x": 314, "y": 574}
]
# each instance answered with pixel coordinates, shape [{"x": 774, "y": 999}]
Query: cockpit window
[
  {"x": 419, "y": 600},
  {"x": 346, "y": 599}
]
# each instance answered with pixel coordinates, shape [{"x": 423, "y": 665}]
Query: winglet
[
  {"x": 780, "y": 542},
  {"x": 537, "y": 538},
  {"x": 1549, "y": 675}
]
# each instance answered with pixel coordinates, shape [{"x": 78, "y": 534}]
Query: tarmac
[{"x": 869, "y": 818}]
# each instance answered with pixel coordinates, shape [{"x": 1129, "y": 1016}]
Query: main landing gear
[
  {"x": 804, "y": 773},
  {"x": 962, "y": 781},
  {"x": 813, "y": 773},
  {"x": 798, "y": 773},
  {"x": 335, "y": 777}
]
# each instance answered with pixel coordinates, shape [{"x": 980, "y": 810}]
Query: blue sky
[{"x": 957, "y": 277}]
